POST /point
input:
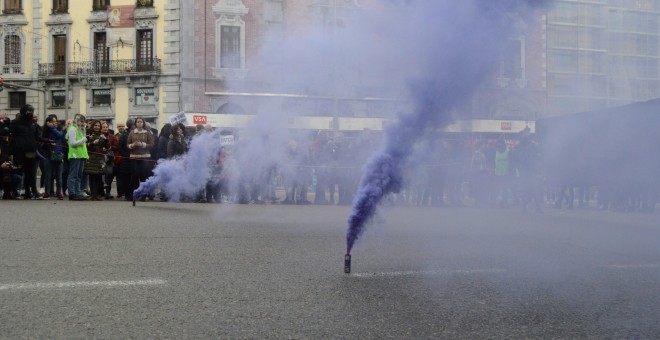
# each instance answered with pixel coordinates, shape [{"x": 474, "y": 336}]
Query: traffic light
[{"x": 2, "y": 81}]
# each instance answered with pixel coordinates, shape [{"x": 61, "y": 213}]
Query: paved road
[{"x": 158, "y": 270}]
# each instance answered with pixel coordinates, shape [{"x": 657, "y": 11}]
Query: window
[
  {"x": 562, "y": 61},
  {"x": 591, "y": 38},
  {"x": 16, "y": 100},
  {"x": 562, "y": 36},
  {"x": 230, "y": 39},
  {"x": 646, "y": 4},
  {"x": 60, "y": 6},
  {"x": 230, "y": 50},
  {"x": 145, "y": 96},
  {"x": 12, "y": 54},
  {"x": 58, "y": 98},
  {"x": 60, "y": 53},
  {"x": 145, "y": 3},
  {"x": 101, "y": 52},
  {"x": 12, "y": 7},
  {"x": 562, "y": 84},
  {"x": 564, "y": 13},
  {"x": 100, "y": 5},
  {"x": 511, "y": 60},
  {"x": 101, "y": 97},
  {"x": 592, "y": 62},
  {"x": 145, "y": 52}
]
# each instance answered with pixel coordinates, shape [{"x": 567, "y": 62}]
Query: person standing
[
  {"x": 140, "y": 141},
  {"x": 502, "y": 175},
  {"x": 109, "y": 158},
  {"x": 177, "y": 145},
  {"x": 123, "y": 155},
  {"x": 97, "y": 146},
  {"x": 53, "y": 158},
  {"x": 526, "y": 160},
  {"x": 161, "y": 151},
  {"x": 163, "y": 140},
  {"x": 10, "y": 175},
  {"x": 40, "y": 160},
  {"x": 77, "y": 156},
  {"x": 479, "y": 175},
  {"x": 24, "y": 137}
]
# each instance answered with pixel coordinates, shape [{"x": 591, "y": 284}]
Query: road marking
[
  {"x": 430, "y": 272},
  {"x": 633, "y": 266},
  {"x": 80, "y": 284}
]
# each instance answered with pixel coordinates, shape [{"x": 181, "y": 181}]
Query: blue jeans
[
  {"x": 52, "y": 171},
  {"x": 76, "y": 167}
]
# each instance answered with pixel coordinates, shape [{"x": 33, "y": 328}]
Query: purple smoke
[
  {"x": 185, "y": 176},
  {"x": 454, "y": 46}
]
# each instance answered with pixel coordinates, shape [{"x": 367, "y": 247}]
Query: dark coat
[
  {"x": 161, "y": 147},
  {"x": 125, "y": 166},
  {"x": 176, "y": 146},
  {"x": 95, "y": 165},
  {"x": 24, "y": 136}
]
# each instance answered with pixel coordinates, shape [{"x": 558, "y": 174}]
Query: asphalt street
[{"x": 161, "y": 270}]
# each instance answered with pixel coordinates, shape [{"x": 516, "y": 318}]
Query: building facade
[
  {"x": 105, "y": 59},
  {"x": 601, "y": 53},
  {"x": 227, "y": 39},
  {"x": 226, "y": 42},
  {"x": 201, "y": 57}
]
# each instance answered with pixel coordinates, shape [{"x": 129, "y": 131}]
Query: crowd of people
[
  {"x": 77, "y": 158},
  {"x": 82, "y": 159}
]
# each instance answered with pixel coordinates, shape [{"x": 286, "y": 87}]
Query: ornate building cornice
[
  {"x": 12, "y": 29},
  {"x": 57, "y": 29},
  {"x": 144, "y": 24}
]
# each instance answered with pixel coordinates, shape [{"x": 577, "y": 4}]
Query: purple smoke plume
[
  {"x": 185, "y": 176},
  {"x": 454, "y": 46}
]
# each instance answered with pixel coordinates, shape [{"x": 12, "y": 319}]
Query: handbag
[{"x": 56, "y": 156}]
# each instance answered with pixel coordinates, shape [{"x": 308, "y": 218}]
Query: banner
[
  {"x": 120, "y": 24},
  {"x": 179, "y": 118},
  {"x": 227, "y": 140}
]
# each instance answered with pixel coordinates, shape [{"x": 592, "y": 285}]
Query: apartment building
[{"x": 105, "y": 59}]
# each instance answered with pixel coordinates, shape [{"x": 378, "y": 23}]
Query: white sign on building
[{"x": 145, "y": 96}]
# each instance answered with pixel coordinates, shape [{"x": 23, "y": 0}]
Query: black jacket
[
  {"x": 125, "y": 166},
  {"x": 25, "y": 136}
]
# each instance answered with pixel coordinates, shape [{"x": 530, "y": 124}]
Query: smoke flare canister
[{"x": 347, "y": 263}]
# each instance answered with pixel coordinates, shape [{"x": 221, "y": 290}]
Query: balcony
[
  {"x": 12, "y": 68},
  {"x": 109, "y": 68}
]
